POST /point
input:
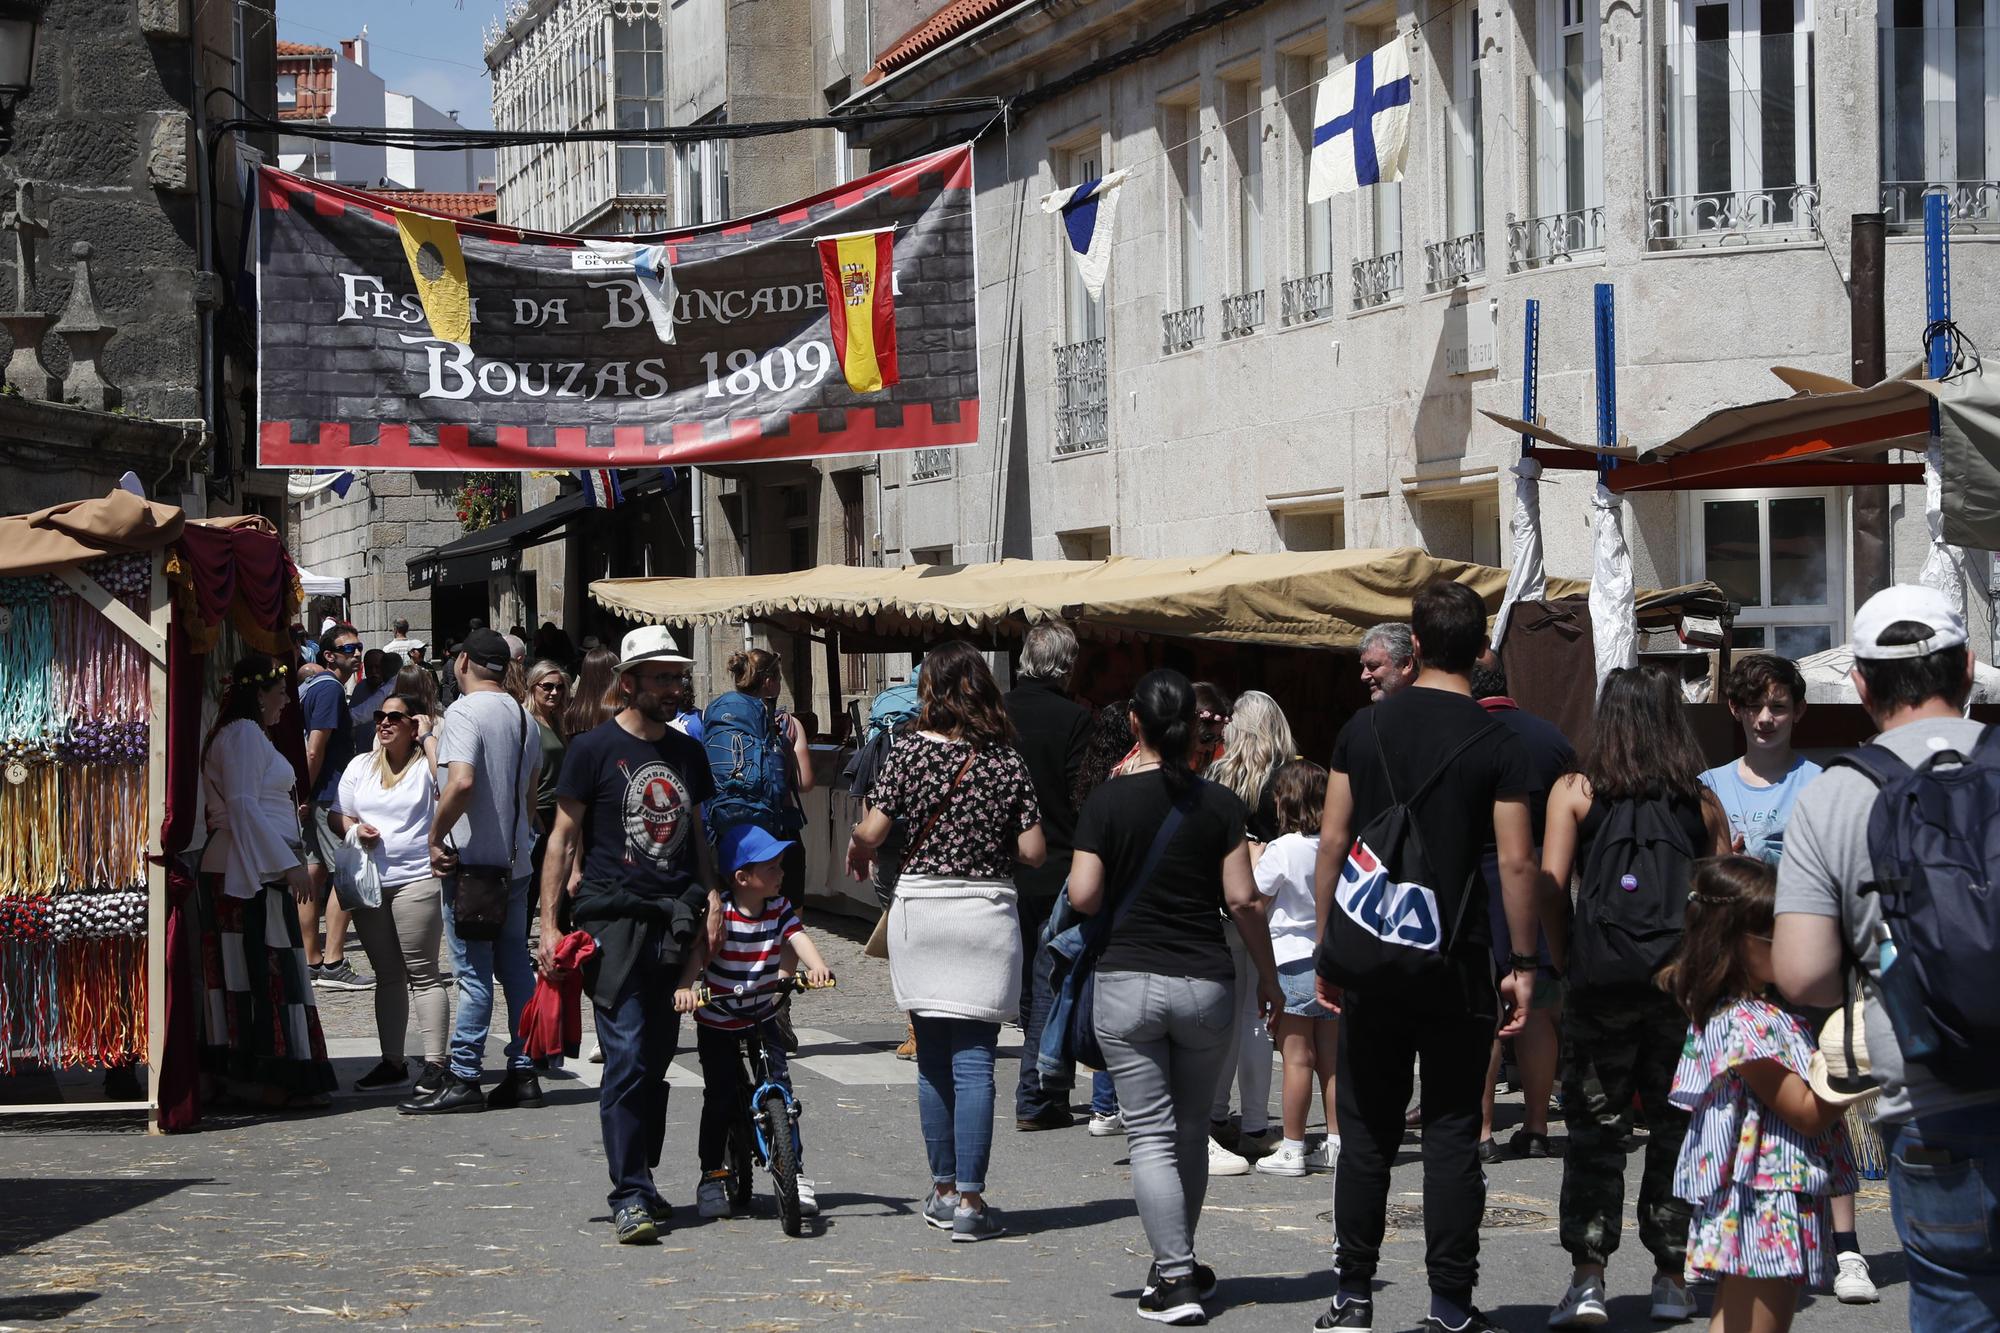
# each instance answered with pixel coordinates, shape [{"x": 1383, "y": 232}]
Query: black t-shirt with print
[
  {"x": 1175, "y": 929},
  {"x": 639, "y": 799},
  {"x": 1420, "y": 728},
  {"x": 975, "y": 836}
]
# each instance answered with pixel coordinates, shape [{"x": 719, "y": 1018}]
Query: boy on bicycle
[{"x": 763, "y": 946}]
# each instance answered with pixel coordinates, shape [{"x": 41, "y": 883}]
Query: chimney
[{"x": 356, "y": 48}]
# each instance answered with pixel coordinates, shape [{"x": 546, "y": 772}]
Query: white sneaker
[
  {"x": 1106, "y": 1126},
  {"x": 808, "y": 1201},
  {"x": 711, "y": 1197},
  {"x": 1672, "y": 1302},
  {"x": 1326, "y": 1157},
  {"x": 1582, "y": 1305},
  {"x": 1287, "y": 1159},
  {"x": 1222, "y": 1162},
  {"x": 1853, "y": 1285},
  {"x": 596, "y": 1055}
]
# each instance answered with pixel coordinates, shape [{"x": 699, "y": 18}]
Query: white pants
[{"x": 1248, "y": 1064}]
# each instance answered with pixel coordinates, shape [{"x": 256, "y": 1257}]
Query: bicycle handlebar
[{"x": 705, "y": 995}]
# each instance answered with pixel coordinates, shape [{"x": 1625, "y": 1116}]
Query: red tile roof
[
  {"x": 955, "y": 19},
  {"x": 473, "y": 206},
  {"x": 286, "y": 48},
  {"x": 312, "y": 68}
]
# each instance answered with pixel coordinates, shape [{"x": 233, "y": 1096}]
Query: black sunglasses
[{"x": 397, "y": 718}]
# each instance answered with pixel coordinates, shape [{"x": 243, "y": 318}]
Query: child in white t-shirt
[{"x": 1307, "y": 1031}]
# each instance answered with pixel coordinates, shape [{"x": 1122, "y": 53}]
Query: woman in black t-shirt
[{"x": 1165, "y": 983}]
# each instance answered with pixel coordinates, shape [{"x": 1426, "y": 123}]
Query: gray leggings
[
  {"x": 1165, "y": 1040},
  {"x": 401, "y": 939}
]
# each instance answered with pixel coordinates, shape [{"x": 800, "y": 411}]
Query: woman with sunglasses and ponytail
[{"x": 388, "y": 795}]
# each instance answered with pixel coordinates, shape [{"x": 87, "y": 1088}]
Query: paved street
[{"x": 357, "y": 1215}]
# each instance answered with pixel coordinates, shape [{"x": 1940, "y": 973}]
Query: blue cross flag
[
  {"x": 1087, "y": 211},
  {"x": 1361, "y": 123}
]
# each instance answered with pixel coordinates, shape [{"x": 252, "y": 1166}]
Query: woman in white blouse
[
  {"x": 261, "y": 1034},
  {"x": 387, "y": 794}
]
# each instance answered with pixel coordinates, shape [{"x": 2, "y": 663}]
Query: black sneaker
[
  {"x": 342, "y": 976},
  {"x": 454, "y": 1095},
  {"x": 662, "y": 1212},
  {"x": 1204, "y": 1280},
  {"x": 1475, "y": 1322},
  {"x": 1049, "y": 1117},
  {"x": 1489, "y": 1151},
  {"x": 1174, "y": 1300},
  {"x": 429, "y": 1079},
  {"x": 1356, "y": 1314},
  {"x": 635, "y": 1225},
  {"x": 384, "y": 1075},
  {"x": 1527, "y": 1143},
  {"x": 518, "y": 1088}
]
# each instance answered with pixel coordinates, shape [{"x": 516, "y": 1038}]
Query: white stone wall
[
  {"x": 1360, "y": 406},
  {"x": 368, "y": 537}
]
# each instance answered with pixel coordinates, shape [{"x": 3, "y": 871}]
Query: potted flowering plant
[{"x": 486, "y": 498}]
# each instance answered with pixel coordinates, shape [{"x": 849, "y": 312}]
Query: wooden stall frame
[{"x": 150, "y": 633}]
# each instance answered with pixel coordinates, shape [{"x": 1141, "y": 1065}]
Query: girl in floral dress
[{"x": 1763, "y": 1155}]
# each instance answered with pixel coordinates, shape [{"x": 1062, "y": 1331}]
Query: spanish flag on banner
[
  {"x": 438, "y": 265},
  {"x": 861, "y": 305}
]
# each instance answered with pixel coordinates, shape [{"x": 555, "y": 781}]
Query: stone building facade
[
  {"x": 1266, "y": 374},
  {"x": 106, "y": 146}
]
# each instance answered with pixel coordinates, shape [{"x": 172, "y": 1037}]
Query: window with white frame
[
  {"x": 1779, "y": 555},
  {"x": 703, "y": 169},
  {"x": 639, "y": 102},
  {"x": 1302, "y": 94},
  {"x": 1083, "y": 315},
  {"x": 1378, "y": 268},
  {"x": 1568, "y": 137},
  {"x": 288, "y": 90},
  {"x": 1246, "y": 150},
  {"x": 1739, "y": 143},
  {"x": 1940, "y": 106},
  {"x": 1465, "y": 183},
  {"x": 1181, "y": 132}
]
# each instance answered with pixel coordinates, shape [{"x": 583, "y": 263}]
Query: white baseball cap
[
  {"x": 650, "y": 643},
  {"x": 1912, "y": 602}
]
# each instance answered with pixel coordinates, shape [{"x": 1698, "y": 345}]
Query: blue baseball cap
[{"x": 748, "y": 845}]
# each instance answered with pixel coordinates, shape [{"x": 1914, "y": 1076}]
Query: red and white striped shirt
[{"x": 752, "y": 950}]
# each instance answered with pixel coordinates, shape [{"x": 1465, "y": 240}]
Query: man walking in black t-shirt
[
  {"x": 629, "y": 805},
  {"x": 1467, "y": 780}
]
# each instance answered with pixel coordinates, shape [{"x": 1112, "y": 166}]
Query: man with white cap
[
  {"x": 1940, "y": 1105},
  {"x": 628, "y": 806}
]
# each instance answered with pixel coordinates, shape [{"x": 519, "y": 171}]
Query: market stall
[{"x": 107, "y": 608}]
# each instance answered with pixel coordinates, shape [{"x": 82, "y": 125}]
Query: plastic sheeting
[
  {"x": 1943, "y": 565},
  {"x": 1527, "y": 578},
  {"x": 1614, "y": 620}
]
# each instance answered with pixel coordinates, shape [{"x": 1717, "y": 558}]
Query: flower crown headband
[{"x": 276, "y": 671}]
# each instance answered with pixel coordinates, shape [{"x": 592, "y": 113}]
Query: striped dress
[
  {"x": 752, "y": 951},
  {"x": 1759, "y": 1188}
]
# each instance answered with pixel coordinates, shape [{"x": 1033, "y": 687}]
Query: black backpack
[
  {"x": 1632, "y": 900},
  {"x": 1386, "y": 934}
]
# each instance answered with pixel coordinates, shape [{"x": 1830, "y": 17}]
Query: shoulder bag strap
[
  {"x": 931, "y": 822},
  {"x": 520, "y": 781},
  {"x": 1168, "y": 827}
]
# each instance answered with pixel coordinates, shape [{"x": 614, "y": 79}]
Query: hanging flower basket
[{"x": 486, "y": 498}]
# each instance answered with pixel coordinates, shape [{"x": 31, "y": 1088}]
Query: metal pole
[
  {"x": 1868, "y": 365},
  {"x": 1607, "y": 378},
  {"x": 1531, "y": 370}
]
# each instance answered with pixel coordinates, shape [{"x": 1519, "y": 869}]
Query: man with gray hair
[
  {"x": 1388, "y": 660},
  {"x": 1052, "y": 729}
]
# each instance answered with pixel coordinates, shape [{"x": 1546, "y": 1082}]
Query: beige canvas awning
[{"x": 1307, "y": 599}]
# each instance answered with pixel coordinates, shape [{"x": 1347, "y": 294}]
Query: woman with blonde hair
[
  {"x": 1256, "y": 743},
  {"x": 388, "y": 796}
]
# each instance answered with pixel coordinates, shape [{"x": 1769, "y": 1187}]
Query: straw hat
[{"x": 1839, "y": 1072}]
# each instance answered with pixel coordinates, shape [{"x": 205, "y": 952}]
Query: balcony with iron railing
[
  {"x": 1377, "y": 280},
  {"x": 931, "y": 464},
  {"x": 1554, "y": 238},
  {"x": 1242, "y": 314},
  {"x": 1449, "y": 263},
  {"x": 1082, "y": 399},
  {"x": 1733, "y": 217},
  {"x": 1971, "y": 207},
  {"x": 1182, "y": 329},
  {"x": 1314, "y": 296}
]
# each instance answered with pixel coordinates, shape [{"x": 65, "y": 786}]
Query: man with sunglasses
[
  {"x": 329, "y": 724},
  {"x": 628, "y": 807}
]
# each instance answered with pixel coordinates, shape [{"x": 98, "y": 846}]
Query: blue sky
[{"x": 429, "y": 48}]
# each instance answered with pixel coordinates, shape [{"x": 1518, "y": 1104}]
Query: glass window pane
[
  {"x": 1746, "y": 637},
  {"x": 1730, "y": 549},
  {"x": 1798, "y": 552},
  {"x": 629, "y": 74},
  {"x": 1796, "y": 641}
]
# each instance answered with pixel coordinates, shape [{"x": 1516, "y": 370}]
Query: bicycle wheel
[
  {"x": 776, "y": 1119},
  {"x": 739, "y": 1168}
]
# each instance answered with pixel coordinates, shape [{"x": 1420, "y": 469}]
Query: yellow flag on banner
[
  {"x": 859, "y": 271},
  {"x": 438, "y": 265}
]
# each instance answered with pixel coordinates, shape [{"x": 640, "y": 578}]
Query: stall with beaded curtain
[{"x": 88, "y": 630}]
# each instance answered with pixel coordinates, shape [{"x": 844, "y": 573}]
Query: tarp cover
[
  {"x": 1307, "y": 599},
  {"x": 1969, "y": 417},
  {"x": 80, "y": 530}
]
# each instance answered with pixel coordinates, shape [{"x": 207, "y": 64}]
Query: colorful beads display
[
  {"x": 90, "y": 916},
  {"x": 103, "y": 741}
]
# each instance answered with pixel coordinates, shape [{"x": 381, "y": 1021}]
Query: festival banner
[{"x": 706, "y": 345}]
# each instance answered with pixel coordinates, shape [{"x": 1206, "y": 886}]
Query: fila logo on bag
[{"x": 1403, "y": 914}]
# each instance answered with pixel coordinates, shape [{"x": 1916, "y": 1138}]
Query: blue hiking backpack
[
  {"x": 751, "y": 765},
  {"x": 1934, "y": 843}
]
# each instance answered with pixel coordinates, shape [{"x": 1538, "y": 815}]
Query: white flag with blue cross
[
  {"x": 1087, "y": 210},
  {"x": 1361, "y": 124}
]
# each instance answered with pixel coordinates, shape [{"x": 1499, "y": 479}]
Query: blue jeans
[
  {"x": 955, "y": 1098},
  {"x": 474, "y": 964},
  {"x": 1103, "y": 1094},
  {"x": 1944, "y": 1180},
  {"x": 1030, "y": 1097},
  {"x": 639, "y": 1035}
]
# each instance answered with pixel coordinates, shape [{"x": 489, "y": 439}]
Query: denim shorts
[{"x": 1296, "y": 980}]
